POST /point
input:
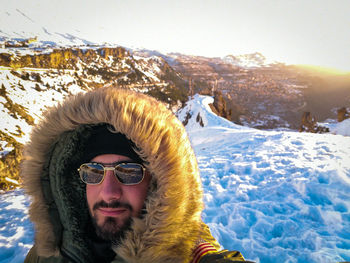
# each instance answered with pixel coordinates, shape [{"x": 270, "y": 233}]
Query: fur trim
[{"x": 169, "y": 230}]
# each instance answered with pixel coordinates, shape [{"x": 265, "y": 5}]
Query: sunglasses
[{"x": 126, "y": 173}]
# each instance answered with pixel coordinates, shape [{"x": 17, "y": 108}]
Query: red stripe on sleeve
[{"x": 201, "y": 250}]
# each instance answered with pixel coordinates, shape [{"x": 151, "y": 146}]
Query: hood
[{"x": 171, "y": 226}]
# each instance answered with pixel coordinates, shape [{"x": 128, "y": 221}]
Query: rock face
[
  {"x": 66, "y": 58},
  {"x": 343, "y": 114},
  {"x": 309, "y": 124},
  {"x": 104, "y": 66},
  {"x": 219, "y": 107}
]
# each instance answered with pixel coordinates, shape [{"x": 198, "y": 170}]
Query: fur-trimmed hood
[{"x": 171, "y": 226}]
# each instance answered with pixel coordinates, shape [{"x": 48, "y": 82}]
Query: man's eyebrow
[{"x": 115, "y": 163}]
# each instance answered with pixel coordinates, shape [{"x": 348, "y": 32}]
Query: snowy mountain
[
  {"x": 17, "y": 26},
  {"x": 275, "y": 196},
  {"x": 247, "y": 60},
  {"x": 260, "y": 93}
]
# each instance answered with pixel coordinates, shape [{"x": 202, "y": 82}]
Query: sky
[{"x": 295, "y": 32}]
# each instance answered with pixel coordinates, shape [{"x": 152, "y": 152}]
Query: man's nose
[{"x": 110, "y": 187}]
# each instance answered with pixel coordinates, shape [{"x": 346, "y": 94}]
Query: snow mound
[
  {"x": 197, "y": 114},
  {"x": 342, "y": 128}
]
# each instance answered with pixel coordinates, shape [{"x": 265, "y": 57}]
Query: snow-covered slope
[
  {"x": 275, "y": 196},
  {"x": 16, "y": 231},
  {"x": 26, "y": 91}
]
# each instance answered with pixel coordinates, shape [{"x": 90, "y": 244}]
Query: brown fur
[{"x": 169, "y": 230}]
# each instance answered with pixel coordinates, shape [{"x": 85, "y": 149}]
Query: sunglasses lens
[
  {"x": 129, "y": 173},
  {"x": 91, "y": 173}
]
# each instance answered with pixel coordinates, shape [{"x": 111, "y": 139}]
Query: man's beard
[{"x": 113, "y": 229}]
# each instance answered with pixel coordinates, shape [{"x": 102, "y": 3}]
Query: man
[{"x": 113, "y": 178}]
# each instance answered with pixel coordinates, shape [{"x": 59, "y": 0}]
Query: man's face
[{"x": 112, "y": 204}]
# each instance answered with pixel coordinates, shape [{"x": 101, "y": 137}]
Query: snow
[
  {"x": 5, "y": 149},
  {"x": 277, "y": 196},
  {"x": 143, "y": 66},
  {"x": 16, "y": 231},
  {"x": 342, "y": 128},
  {"x": 199, "y": 105},
  {"x": 41, "y": 97}
]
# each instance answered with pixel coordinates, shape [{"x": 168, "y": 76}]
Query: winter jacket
[{"x": 171, "y": 229}]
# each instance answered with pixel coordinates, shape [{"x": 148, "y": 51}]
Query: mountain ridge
[{"x": 39, "y": 70}]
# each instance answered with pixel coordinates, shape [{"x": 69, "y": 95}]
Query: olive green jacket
[
  {"x": 223, "y": 256},
  {"x": 171, "y": 228},
  {"x": 218, "y": 257}
]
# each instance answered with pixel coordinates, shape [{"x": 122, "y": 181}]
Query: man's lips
[{"x": 112, "y": 211}]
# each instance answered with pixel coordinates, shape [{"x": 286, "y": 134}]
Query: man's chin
[{"x": 112, "y": 229}]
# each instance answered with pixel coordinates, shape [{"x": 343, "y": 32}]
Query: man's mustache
[{"x": 113, "y": 204}]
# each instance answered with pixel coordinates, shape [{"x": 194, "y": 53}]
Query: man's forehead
[{"x": 110, "y": 158}]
